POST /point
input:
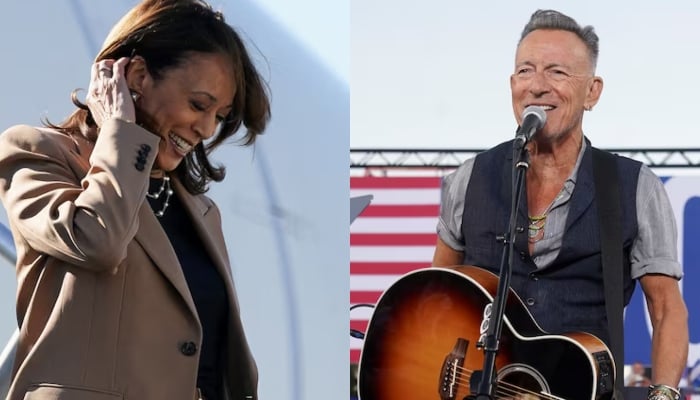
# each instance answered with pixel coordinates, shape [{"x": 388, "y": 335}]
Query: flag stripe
[
  {"x": 372, "y": 282},
  {"x": 364, "y": 296},
  {"x": 395, "y": 235},
  {"x": 388, "y": 210},
  {"x": 377, "y": 268},
  {"x": 359, "y": 325},
  {"x": 372, "y": 182},
  {"x": 354, "y": 356},
  {"x": 392, "y": 253},
  {"x": 355, "y": 344},
  {"x": 394, "y": 225},
  {"x": 399, "y": 196},
  {"x": 396, "y": 239}
]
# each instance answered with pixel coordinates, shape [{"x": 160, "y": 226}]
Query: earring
[{"x": 135, "y": 96}]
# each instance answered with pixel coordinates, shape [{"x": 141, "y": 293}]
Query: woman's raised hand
[{"x": 108, "y": 94}]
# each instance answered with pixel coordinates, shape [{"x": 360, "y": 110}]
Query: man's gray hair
[{"x": 551, "y": 19}]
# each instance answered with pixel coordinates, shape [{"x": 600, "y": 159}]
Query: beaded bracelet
[{"x": 663, "y": 392}]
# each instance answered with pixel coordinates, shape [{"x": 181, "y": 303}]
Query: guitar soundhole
[{"x": 520, "y": 381}]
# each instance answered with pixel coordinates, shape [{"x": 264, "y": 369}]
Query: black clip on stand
[{"x": 487, "y": 384}]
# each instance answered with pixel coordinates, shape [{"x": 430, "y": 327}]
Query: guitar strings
[
  {"x": 505, "y": 392},
  {"x": 502, "y": 391},
  {"x": 507, "y": 388},
  {"x": 503, "y": 388}
]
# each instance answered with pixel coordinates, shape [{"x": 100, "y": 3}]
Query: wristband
[{"x": 663, "y": 392}]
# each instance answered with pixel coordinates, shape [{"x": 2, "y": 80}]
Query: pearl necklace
[{"x": 164, "y": 188}]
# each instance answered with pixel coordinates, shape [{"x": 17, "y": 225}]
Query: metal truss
[{"x": 452, "y": 158}]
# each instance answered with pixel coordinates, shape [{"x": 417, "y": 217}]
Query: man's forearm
[{"x": 669, "y": 345}]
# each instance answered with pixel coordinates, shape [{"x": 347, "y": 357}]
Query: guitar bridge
[{"x": 452, "y": 370}]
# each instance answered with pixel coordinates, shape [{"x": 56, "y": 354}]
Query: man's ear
[
  {"x": 594, "y": 91},
  {"x": 137, "y": 74}
]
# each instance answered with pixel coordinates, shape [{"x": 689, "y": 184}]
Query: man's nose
[{"x": 539, "y": 83}]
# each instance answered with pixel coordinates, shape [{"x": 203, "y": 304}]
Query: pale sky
[
  {"x": 435, "y": 74},
  {"x": 322, "y": 25}
]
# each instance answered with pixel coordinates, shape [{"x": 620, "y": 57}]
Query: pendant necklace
[
  {"x": 536, "y": 223},
  {"x": 164, "y": 188}
]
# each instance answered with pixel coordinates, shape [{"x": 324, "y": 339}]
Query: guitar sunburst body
[{"x": 421, "y": 343}]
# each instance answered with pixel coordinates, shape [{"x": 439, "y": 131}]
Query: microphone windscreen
[{"x": 538, "y": 112}]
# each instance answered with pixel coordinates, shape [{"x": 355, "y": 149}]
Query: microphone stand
[{"x": 487, "y": 384}]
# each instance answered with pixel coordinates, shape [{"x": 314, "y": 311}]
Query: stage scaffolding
[{"x": 449, "y": 159}]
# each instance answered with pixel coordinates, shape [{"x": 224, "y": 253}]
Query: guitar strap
[{"x": 607, "y": 197}]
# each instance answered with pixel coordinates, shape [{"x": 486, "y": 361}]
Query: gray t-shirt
[{"x": 653, "y": 250}]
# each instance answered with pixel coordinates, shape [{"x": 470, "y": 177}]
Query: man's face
[{"x": 553, "y": 70}]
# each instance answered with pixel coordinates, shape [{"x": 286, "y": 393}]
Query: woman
[{"x": 119, "y": 297}]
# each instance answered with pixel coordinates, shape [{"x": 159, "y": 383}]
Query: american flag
[{"x": 394, "y": 235}]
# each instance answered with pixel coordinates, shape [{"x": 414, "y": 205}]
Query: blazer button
[
  {"x": 139, "y": 166},
  {"x": 188, "y": 348},
  {"x": 146, "y": 148},
  {"x": 530, "y": 301}
]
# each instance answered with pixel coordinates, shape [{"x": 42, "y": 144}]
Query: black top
[{"x": 206, "y": 286}]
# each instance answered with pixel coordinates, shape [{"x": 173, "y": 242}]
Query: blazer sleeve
[{"x": 85, "y": 220}]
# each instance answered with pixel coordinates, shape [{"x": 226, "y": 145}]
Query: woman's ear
[{"x": 136, "y": 74}]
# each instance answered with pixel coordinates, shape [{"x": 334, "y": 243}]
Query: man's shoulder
[
  {"x": 627, "y": 166},
  {"x": 501, "y": 148},
  {"x": 461, "y": 176},
  {"x": 496, "y": 153},
  {"x": 620, "y": 158}
]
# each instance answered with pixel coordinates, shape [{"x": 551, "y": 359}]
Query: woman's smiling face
[{"x": 186, "y": 104}]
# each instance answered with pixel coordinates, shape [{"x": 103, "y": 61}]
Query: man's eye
[
  {"x": 558, "y": 74},
  {"x": 524, "y": 72},
  {"x": 197, "y": 106}
]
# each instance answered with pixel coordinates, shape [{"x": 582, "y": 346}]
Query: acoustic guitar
[{"x": 423, "y": 342}]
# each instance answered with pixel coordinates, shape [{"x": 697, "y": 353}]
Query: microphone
[{"x": 533, "y": 120}]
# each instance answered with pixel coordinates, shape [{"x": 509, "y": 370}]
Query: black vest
[{"x": 567, "y": 295}]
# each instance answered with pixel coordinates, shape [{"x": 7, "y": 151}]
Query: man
[
  {"x": 557, "y": 262},
  {"x": 638, "y": 376}
]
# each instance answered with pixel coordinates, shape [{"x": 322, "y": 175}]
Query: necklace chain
[
  {"x": 535, "y": 228},
  {"x": 536, "y": 223},
  {"x": 164, "y": 188}
]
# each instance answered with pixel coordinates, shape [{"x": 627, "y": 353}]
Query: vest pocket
[{"x": 50, "y": 391}]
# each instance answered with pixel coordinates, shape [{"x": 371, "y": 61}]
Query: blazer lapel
[
  {"x": 156, "y": 243},
  {"x": 209, "y": 231}
]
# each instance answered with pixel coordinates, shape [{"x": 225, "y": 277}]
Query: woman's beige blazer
[{"x": 103, "y": 308}]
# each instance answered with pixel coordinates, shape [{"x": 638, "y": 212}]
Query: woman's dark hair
[{"x": 165, "y": 33}]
